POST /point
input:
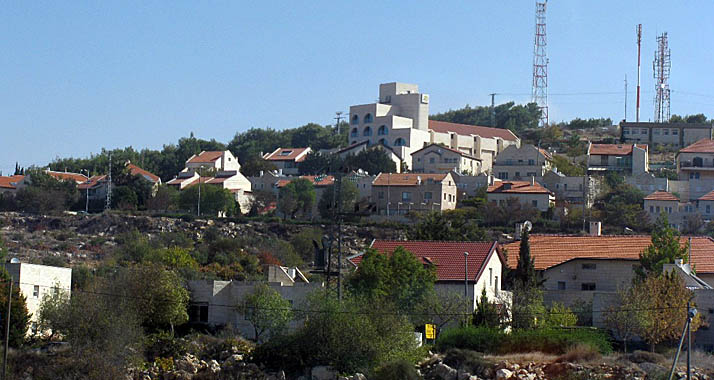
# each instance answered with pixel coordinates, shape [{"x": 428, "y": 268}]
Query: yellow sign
[{"x": 430, "y": 331}]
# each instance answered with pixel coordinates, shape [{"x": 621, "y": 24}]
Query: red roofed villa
[
  {"x": 529, "y": 193},
  {"x": 482, "y": 267},
  {"x": 287, "y": 159},
  {"x": 628, "y": 158}
]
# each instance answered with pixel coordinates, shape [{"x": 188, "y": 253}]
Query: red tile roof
[
  {"x": 135, "y": 170},
  {"x": 287, "y": 154},
  {"x": 406, "y": 179},
  {"x": 551, "y": 250},
  {"x": 661, "y": 196},
  {"x": 518, "y": 187},
  {"x": 448, "y": 256},
  {"x": 708, "y": 196},
  {"x": 463, "y": 154},
  {"x": 8, "y": 182},
  {"x": 317, "y": 180},
  {"x": 466, "y": 130},
  {"x": 93, "y": 181},
  {"x": 205, "y": 157},
  {"x": 701, "y": 146},
  {"x": 65, "y": 176},
  {"x": 614, "y": 149}
]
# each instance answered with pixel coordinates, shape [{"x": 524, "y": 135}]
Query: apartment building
[
  {"x": 436, "y": 158},
  {"x": 629, "y": 159},
  {"x": 696, "y": 161},
  {"x": 401, "y": 193},
  {"x": 675, "y": 134},
  {"x": 524, "y": 162}
]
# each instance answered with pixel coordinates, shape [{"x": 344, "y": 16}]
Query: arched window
[
  {"x": 400, "y": 142},
  {"x": 368, "y": 118},
  {"x": 367, "y": 131},
  {"x": 354, "y": 132},
  {"x": 383, "y": 142},
  {"x": 355, "y": 119},
  {"x": 383, "y": 131}
]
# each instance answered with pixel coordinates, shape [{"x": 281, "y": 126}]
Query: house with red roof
[
  {"x": 10, "y": 184},
  {"x": 435, "y": 158},
  {"x": 522, "y": 163},
  {"x": 400, "y": 120},
  {"x": 215, "y": 168},
  {"x": 67, "y": 176},
  {"x": 528, "y": 193},
  {"x": 696, "y": 161},
  {"x": 630, "y": 159},
  {"x": 287, "y": 159},
  {"x": 397, "y": 194},
  {"x": 461, "y": 267}
]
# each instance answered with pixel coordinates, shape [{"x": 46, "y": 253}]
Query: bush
[
  {"x": 481, "y": 339},
  {"x": 465, "y": 360},
  {"x": 164, "y": 345},
  {"x": 555, "y": 341},
  {"x": 579, "y": 353},
  {"x": 646, "y": 357},
  {"x": 397, "y": 370}
]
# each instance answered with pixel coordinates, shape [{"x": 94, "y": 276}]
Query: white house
[{"x": 287, "y": 159}]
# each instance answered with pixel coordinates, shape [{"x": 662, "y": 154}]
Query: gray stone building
[{"x": 675, "y": 134}]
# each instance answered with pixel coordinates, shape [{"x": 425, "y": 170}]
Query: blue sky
[{"x": 79, "y": 76}]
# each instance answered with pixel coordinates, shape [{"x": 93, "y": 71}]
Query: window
[
  {"x": 444, "y": 196},
  {"x": 561, "y": 285},
  {"x": 286, "y": 152},
  {"x": 406, "y": 196},
  {"x": 534, "y": 203},
  {"x": 367, "y": 132},
  {"x": 657, "y": 209},
  {"x": 36, "y": 291},
  {"x": 531, "y": 162},
  {"x": 666, "y": 131},
  {"x": 643, "y": 131},
  {"x": 503, "y": 175},
  {"x": 400, "y": 142},
  {"x": 587, "y": 286},
  {"x": 589, "y": 266},
  {"x": 427, "y": 195},
  {"x": 354, "y": 132},
  {"x": 709, "y": 209},
  {"x": 518, "y": 174},
  {"x": 383, "y": 131},
  {"x": 656, "y": 131},
  {"x": 198, "y": 313},
  {"x": 383, "y": 142},
  {"x": 675, "y": 132},
  {"x": 368, "y": 118},
  {"x": 496, "y": 284},
  {"x": 626, "y": 132},
  {"x": 381, "y": 195},
  {"x": 490, "y": 276},
  {"x": 431, "y": 160},
  {"x": 652, "y": 209}
]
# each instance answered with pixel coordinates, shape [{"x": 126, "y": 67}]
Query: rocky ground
[{"x": 88, "y": 238}]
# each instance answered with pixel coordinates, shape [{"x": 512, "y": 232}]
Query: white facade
[
  {"x": 440, "y": 159},
  {"x": 524, "y": 162},
  {"x": 36, "y": 281}
]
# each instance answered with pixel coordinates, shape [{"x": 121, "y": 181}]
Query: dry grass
[
  {"x": 522, "y": 358},
  {"x": 580, "y": 353}
]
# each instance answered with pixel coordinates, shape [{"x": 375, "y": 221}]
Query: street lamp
[{"x": 466, "y": 285}]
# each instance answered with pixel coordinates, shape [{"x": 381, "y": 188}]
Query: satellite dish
[
  {"x": 15, "y": 260},
  {"x": 527, "y": 225}
]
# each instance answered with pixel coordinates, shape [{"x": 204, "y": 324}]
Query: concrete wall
[
  {"x": 640, "y": 160},
  {"x": 542, "y": 202},
  {"x": 608, "y": 276}
]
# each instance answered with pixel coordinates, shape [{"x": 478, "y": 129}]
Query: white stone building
[
  {"x": 675, "y": 134},
  {"x": 36, "y": 281},
  {"x": 696, "y": 161},
  {"x": 528, "y": 193},
  {"x": 287, "y": 159},
  {"x": 436, "y": 158},
  {"x": 524, "y": 162},
  {"x": 630, "y": 159}
]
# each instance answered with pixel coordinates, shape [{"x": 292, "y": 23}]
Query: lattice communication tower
[
  {"x": 661, "y": 66},
  {"x": 540, "y": 64}
]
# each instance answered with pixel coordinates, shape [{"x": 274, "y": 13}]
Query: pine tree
[
  {"x": 664, "y": 249},
  {"x": 525, "y": 270}
]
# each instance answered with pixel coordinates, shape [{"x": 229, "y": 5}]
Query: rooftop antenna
[
  {"x": 540, "y": 64},
  {"x": 661, "y": 66}
]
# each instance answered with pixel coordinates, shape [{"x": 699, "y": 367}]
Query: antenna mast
[
  {"x": 639, "y": 46},
  {"x": 540, "y": 64},
  {"x": 108, "y": 205},
  {"x": 661, "y": 66}
]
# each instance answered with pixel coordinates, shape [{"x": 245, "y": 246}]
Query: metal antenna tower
[
  {"x": 540, "y": 64},
  {"x": 639, "y": 48},
  {"x": 108, "y": 205},
  {"x": 661, "y": 66}
]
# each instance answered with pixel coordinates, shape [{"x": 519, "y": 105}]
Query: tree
[
  {"x": 449, "y": 226},
  {"x": 560, "y": 316},
  {"x": 663, "y": 308},
  {"x": 266, "y": 310},
  {"x": 263, "y": 201},
  {"x": 622, "y": 317},
  {"x": 399, "y": 278},
  {"x": 174, "y": 258},
  {"x": 566, "y": 167},
  {"x": 441, "y": 309},
  {"x": 214, "y": 200},
  {"x": 316, "y": 163},
  {"x": 664, "y": 249},
  {"x": 166, "y": 198},
  {"x": 52, "y": 312},
  {"x": 525, "y": 272},
  {"x": 45, "y": 194},
  {"x": 348, "y": 195},
  {"x": 486, "y": 313},
  {"x": 296, "y": 196},
  {"x": 19, "y": 316},
  {"x": 373, "y": 161}
]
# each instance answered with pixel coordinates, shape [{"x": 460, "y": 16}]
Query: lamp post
[{"x": 466, "y": 285}]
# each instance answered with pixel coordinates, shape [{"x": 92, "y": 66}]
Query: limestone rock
[
  {"x": 443, "y": 372},
  {"x": 503, "y": 374}
]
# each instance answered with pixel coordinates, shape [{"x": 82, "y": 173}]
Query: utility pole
[
  {"x": 493, "y": 109},
  {"x": 108, "y": 205},
  {"x": 7, "y": 331},
  {"x": 338, "y": 118},
  {"x": 625, "y": 97},
  {"x": 198, "y": 206},
  {"x": 639, "y": 48}
]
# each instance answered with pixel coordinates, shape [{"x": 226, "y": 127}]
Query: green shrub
[
  {"x": 163, "y": 345},
  {"x": 555, "y": 341},
  {"x": 397, "y": 370},
  {"x": 466, "y": 360},
  {"x": 481, "y": 339}
]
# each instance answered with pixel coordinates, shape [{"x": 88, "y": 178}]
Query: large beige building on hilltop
[{"x": 400, "y": 120}]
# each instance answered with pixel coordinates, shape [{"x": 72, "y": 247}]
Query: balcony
[{"x": 690, "y": 165}]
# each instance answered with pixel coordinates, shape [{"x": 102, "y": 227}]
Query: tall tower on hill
[{"x": 540, "y": 64}]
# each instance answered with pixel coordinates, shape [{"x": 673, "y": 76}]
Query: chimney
[
  {"x": 533, "y": 181},
  {"x": 595, "y": 228},
  {"x": 261, "y": 173},
  {"x": 519, "y": 230},
  {"x": 292, "y": 273}
]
